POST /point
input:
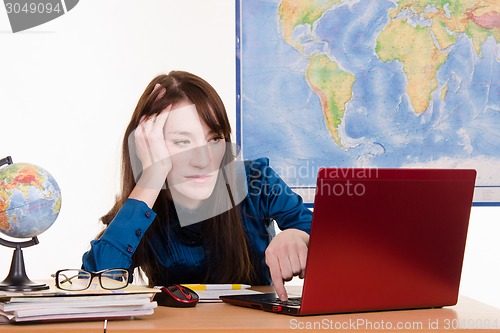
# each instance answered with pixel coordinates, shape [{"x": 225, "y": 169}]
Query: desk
[{"x": 219, "y": 317}]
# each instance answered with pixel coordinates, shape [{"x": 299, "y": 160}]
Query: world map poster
[{"x": 370, "y": 84}]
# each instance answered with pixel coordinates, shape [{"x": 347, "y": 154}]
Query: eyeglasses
[{"x": 80, "y": 279}]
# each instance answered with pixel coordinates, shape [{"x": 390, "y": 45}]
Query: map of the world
[{"x": 364, "y": 83}]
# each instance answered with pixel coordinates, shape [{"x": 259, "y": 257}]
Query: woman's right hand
[
  {"x": 150, "y": 141},
  {"x": 154, "y": 156}
]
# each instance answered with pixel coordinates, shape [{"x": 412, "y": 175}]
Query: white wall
[{"x": 68, "y": 88}]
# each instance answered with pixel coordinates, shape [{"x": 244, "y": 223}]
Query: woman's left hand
[{"x": 286, "y": 257}]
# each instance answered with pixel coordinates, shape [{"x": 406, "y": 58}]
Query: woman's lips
[{"x": 199, "y": 178}]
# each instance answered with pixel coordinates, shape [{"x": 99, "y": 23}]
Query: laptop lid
[{"x": 384, "y": 239}]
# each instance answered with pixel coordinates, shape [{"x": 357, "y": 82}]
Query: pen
[{"x": 216, "y": 286}]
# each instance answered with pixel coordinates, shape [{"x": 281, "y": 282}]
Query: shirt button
[
  {"x": 130, "y": 249},
  {"x": 138, "y": 232},
  {"x": 148, "y": 214}
]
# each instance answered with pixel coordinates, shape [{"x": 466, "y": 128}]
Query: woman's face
[{"x": 196, "y": 153}]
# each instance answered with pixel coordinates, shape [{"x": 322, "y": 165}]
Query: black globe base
[{"x": 17, "y": 280}]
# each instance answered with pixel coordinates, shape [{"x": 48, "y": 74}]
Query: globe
[{"x": 30, "y": 200}]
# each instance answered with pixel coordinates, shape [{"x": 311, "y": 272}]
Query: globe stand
[{"x": 17, "y": 280}]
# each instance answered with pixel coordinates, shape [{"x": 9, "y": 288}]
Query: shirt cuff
[{"x": 129, "y": 225}]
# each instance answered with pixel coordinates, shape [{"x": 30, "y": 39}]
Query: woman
[{"x": 172, "y": 218}]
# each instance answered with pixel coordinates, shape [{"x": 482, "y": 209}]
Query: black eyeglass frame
[{"x": 98, "y": 274}]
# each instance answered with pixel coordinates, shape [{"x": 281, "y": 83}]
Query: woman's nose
[{"x": 201, "y": 157}]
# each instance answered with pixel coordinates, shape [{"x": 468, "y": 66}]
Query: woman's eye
[
  {"x": 181, "y": 143},
  {"x": 217, "y": 139}
]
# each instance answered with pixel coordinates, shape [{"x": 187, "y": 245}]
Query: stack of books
[{"x": 91, "y": 304}]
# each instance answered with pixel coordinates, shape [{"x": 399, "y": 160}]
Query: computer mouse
[{"x": 176, "y": 296}]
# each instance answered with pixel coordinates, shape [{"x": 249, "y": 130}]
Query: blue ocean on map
[{"x": 281, "y": 116}]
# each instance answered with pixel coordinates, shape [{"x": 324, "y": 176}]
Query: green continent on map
[
  {"x": 328, "y": 81},
  {"x": 419, "y": 35},
  {"x": 414, "y": 46},
  {"x": 293, "y": 13},
  {"x": 334, "y": 88},
  {"x": 415, "y": 49}
]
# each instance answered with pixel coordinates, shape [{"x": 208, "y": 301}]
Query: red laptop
[{"x": 381, "y": 239}]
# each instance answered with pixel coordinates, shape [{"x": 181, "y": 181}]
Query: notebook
[{"x": 381, "y": 239}]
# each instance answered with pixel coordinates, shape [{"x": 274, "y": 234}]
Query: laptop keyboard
[{"x": 294, "y": 301}]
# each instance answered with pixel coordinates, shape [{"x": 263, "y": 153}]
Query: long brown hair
[{"x": 229, "y": 257}]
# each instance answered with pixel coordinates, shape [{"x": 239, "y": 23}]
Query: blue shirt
[{"x": 269, "y": 198}]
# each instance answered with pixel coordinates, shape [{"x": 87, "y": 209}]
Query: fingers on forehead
[{"x": 162, "y": 91}]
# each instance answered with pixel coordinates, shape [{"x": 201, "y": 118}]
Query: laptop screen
[{"x": 387, "y": 239}]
